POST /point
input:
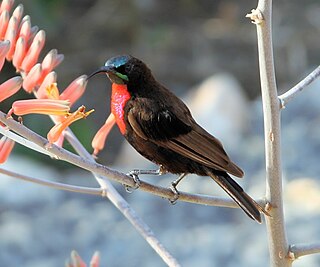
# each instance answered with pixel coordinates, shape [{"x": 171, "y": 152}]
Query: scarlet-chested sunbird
[{"x": 161, "y": 128}]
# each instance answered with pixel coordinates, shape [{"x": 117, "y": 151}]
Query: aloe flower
[
  {"x": 40, "y": 106},
  {"x": 50, "y": 61},
  {"x": 32, "y": 78},
  {"x": 12, "y": 30},
  {"x": 76, "y": 260},
  {"x": 19, "y": 53},
  {"x": 6, "y": 5},
  {"x": 51, "y": 91},
  {"x": 4, "y": 48},
  {"x": 72, "y": 93},
  {"x": 49, "y": 80},
  {"x": 33, "y": 53},
  {"x": 75, "y": 90},
  {"x": 10, "y": 87},
  {"x": 22, "y": 44},
  {"x": 57, "y": 130},
  {"x": 6, "y": 146},
  {"x": 100, "y": 137}
]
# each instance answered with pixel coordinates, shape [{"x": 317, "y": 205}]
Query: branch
[
  {"x": 116, "y": 176},
  {"x": 278, "y": 245},
  {"x": 293, "y": 92},
  {"x": 23, "y": 141},
  {"x": 123, "y": 205},
  {"x": 60, "y": 186},
  {"x": 300, "y": 250},
  {"x": 106, "y": 188}
]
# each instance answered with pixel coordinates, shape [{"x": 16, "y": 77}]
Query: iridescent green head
[
  {"x": 117, "y": 68},
  {"x": 127, "y": 70}
]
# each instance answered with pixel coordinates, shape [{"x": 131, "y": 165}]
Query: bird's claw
[
  {"x": 135, "y": 177},
  {"x": 175, "y": 192},
  {"x": 174, "y": 189}
]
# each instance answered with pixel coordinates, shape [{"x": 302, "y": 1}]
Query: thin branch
[
  {"x": 119, "y": 177},
  {"x": 55, "y": 185},
  {"x": 300, "y": 250},
  {"x": 122, "y": 205},
  {"x": 293, "y": 92},
  {"x": 106, "y": 187},
  {"x": 102, "y": 171},
  {"x": 23, "y": 141},
  {"x": 278, "y": 245}
]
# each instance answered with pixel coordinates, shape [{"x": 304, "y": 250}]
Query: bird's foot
[
  {"x": 160, "y": 171},
  {"x": 173, "y": 200},
  {"x": 134, "y": 174},
  {"x": 174, "y": 189}
]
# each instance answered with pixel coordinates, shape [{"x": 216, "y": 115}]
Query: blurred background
[{"x": 206, "y": 52}]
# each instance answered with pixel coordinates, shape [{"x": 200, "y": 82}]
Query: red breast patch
[{"x": 119, "y": 98}]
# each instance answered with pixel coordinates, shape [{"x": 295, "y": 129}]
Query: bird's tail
[{"x": 235, "y": 191}]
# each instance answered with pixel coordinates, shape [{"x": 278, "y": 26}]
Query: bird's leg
[
  {"x": 135, "y": 176},
  {"x": 174, "y": 189}
]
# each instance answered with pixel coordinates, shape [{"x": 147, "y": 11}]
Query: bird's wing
[{"x": 185, "y": 138}]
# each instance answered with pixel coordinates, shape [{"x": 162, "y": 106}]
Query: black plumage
[{"x": 161, "y": 128}]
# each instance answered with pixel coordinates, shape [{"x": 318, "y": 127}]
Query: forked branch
[
  {"x": 300, "y": 250},
  {"x": 278, "y": 245},
  {"x": 293, "y": 92}
]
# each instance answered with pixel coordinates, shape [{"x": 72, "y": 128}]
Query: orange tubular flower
[
  {"x": 6, "y": 146},
  {"x": 75, "y": 90},
  {"x": 4, "y": 48},
  {"x": 30, "y": 82},
  {"x": 22, "y": 42},
  {"x": 99, "y": 139},
  {"x": 52, "y": 92},
  {"x": 6, "y": 5},
  {"x": 57, "y": 130},
  {"x": 40, "y": 106},
  {"x": 19, "y": 53},
  {"x": 76, "y": 260},
  {"x": 33, "y": 53},
  {"x": 50, "y": 61},
  {"x": 4, "y": 20},
  {"x": 12, "y": 30},
  {"x": 49, "y": 80},
  {"x": 25, "y": 28},
  {"x": 10, "y": 87},
  {"x": 95, "y": 260}
]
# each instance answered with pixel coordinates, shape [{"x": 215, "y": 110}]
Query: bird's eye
[{"x": 128, "y": 68}]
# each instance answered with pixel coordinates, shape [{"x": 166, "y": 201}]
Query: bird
[{"x": 159, "y": 126}]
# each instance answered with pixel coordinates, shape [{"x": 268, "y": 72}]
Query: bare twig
[
  {"x": 60, "y": 186},
  {"x": 106, "y": 189},
  {"x": 290, "y": 94},
  {"x": 104, "y": 171},
  {"x": 112, "y": 194},
  {"x": 278, "y": 245},
  {"x": 300, "y": 250},
  {"x": 23, "y": 141}
]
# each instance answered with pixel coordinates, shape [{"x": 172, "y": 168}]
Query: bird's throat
[{"x": 119, "y": 98}]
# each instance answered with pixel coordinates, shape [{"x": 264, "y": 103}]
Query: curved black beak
[{"x": 103, "y": 69}]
